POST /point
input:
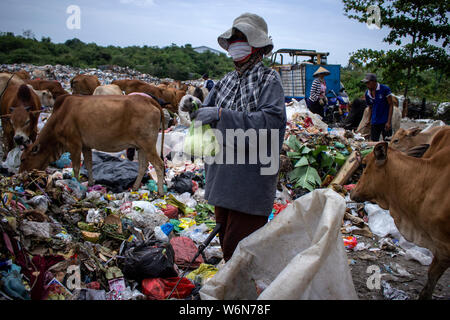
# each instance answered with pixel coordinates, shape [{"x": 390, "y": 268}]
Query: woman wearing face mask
[{"x": 249, "y": 98}]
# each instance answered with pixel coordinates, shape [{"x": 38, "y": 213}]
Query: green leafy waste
[{"x": 308, "y": 162}]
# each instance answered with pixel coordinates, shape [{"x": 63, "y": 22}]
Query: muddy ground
[{"x": 411, "y": 286}]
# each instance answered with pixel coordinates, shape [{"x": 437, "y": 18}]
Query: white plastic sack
[
  {"x": 12, "y": 162},
  {"x": 298, "y": 255},
  {"x": 436, "y": 123}
]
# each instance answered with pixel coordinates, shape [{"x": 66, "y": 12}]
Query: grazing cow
[
  {"x": 20, "y": 108},
  {"x": 198, "y": 92},
  {"x": 413, "y": 141},
  {"x": 84, "y": 84},
  {"x": 7, "y": 79},
  {"x": 105, "y": 123},
  {"x": 131, "y": 85},
  {"x": 52, "y": 85},
  {"x": 45, "y": 96},
  {"x": 415, "y": 191},
  {"x": 108, "y": 89},
  {"x": 22, "y": 74}
]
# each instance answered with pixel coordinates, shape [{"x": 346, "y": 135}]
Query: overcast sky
[{"x": 319, "y": 25}]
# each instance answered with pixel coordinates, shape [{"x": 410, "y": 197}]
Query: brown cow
[
  {"x": 172, "y": 97},
  {"x": 108, "y": 89},
  {"x": 52, "y": 85},
  {"x": 20, "y": 108},
  {"x": 7, "y": 79},
  {"x": 22, "y": 74},
  {"x": 105, "y": 123},
  {"x": 84, "y": 84},
  {"x": 409, "y": 140},
  {"x": 45, "y": 96},
  {"x": 132, "y": 85},
  {"x": 415, "y": 191}
]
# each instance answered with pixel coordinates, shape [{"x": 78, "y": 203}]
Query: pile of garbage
[
  {"x": 63, "y": 239},
  {"x": 105, "y": 74}
]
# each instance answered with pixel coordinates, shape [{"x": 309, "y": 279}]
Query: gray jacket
[{"x": 242, "y": 187}]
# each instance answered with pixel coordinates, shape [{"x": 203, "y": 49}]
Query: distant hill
[{"x": 180, "y": 63}]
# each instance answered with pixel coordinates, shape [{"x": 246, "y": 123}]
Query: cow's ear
[
  {"x": 380, "y": 152},
  {"x": 414, "y": 131},
  {"x": 35, "y": 149}
]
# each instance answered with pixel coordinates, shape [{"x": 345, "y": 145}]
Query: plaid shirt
[{"x": 241, "y": 93}]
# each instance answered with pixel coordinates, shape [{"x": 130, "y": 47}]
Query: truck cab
[{"x": 296, "y": 68}]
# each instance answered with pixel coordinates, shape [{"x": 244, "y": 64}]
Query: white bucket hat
[{"x": 255, "y": 29}]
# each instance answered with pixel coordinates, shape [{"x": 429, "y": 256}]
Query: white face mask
[{"x": 239, "y": 50}]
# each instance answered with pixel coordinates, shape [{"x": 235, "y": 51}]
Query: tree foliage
[
  {"x": 419, "y": 27},
  {"x": 176, "y": 62}
]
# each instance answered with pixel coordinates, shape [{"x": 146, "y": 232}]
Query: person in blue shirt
[
  {"x": 209, "y": 84},
  {"x": 379, "y": 99}
]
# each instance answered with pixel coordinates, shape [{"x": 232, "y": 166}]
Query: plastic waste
[
  {"x": 160, "y": 289},
  {"x": 185, "y": 249},
  {"x": 73, "y": 187},
  {"x": 94, "y": 216},
  {"x": 63, "y": 162},
  {"x": 160, "y": 235},
  {"x": 150, "y": 259},
  {"x": 40, "y": 203},
  {"x": 11, "y": 282},
  {"x": 12, "y": 162},
  {"x": 202, "y": 273},
  {"x": 392, "y": 293}
]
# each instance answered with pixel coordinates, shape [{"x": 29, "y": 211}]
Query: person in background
[
  {"x": 208, "y": 84},
  {"x": 317, "y": 96},
  {"x": 250, "y": 97},
  {"x": 379, "y": 99}
]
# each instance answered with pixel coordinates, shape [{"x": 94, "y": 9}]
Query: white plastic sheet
[
  {"x": 382, "y": 224},
  {"x": 298, "y": 255}
]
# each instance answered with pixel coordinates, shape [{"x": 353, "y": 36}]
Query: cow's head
[
  {"x": 34, "y": 157},
  {"x": 373, "y": 178},
  {"x": 46, "y": 98},
  {"x": 189, "y": 103},
  {"x": 403, "y": 140},
  {"x": 22, "y": 117}
]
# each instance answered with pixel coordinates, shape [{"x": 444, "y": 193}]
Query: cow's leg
[
  {"x": 158, "y": 163},
  {"x": 75, "y": 154},
  {"x": 437, "y": 268},
  {"x": 87, "y": 154},
  {"x": 8, "y": 143},
  {"x": 143, "y": 165}
]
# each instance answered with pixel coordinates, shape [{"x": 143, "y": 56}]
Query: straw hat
[
  {"x": 255, "y": 29},
  {"x": 321, "y": 70}
]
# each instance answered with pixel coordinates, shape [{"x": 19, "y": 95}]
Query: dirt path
[{"x": 411, "y": 286}]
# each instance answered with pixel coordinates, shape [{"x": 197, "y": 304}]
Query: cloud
[{"x": 139, "y": 3}]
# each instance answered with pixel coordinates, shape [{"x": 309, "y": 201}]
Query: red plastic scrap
[
  {"x": 159, "y": 288},
  {"x": 185, "y": 250},
  {"x": 279, "y": 207},
  {"x": 170, "y": 211}
]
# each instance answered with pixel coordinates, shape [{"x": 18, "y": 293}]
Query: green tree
[{"x": 419, "y": 27}]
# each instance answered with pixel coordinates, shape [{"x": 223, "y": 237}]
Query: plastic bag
[
  {"x": 202, "y": 273},
  {"x": 73, "y": 186},
  {"x": 201, "y": 141},
  {"x": 12, "y": 162},
  {"x": 159, "y": 289},
  {"x": 298, "y": 255},
  {"x": 185, "y": 250},
  {"x": 160, "y": 235},
  {"x": 151, "y": 259}
]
